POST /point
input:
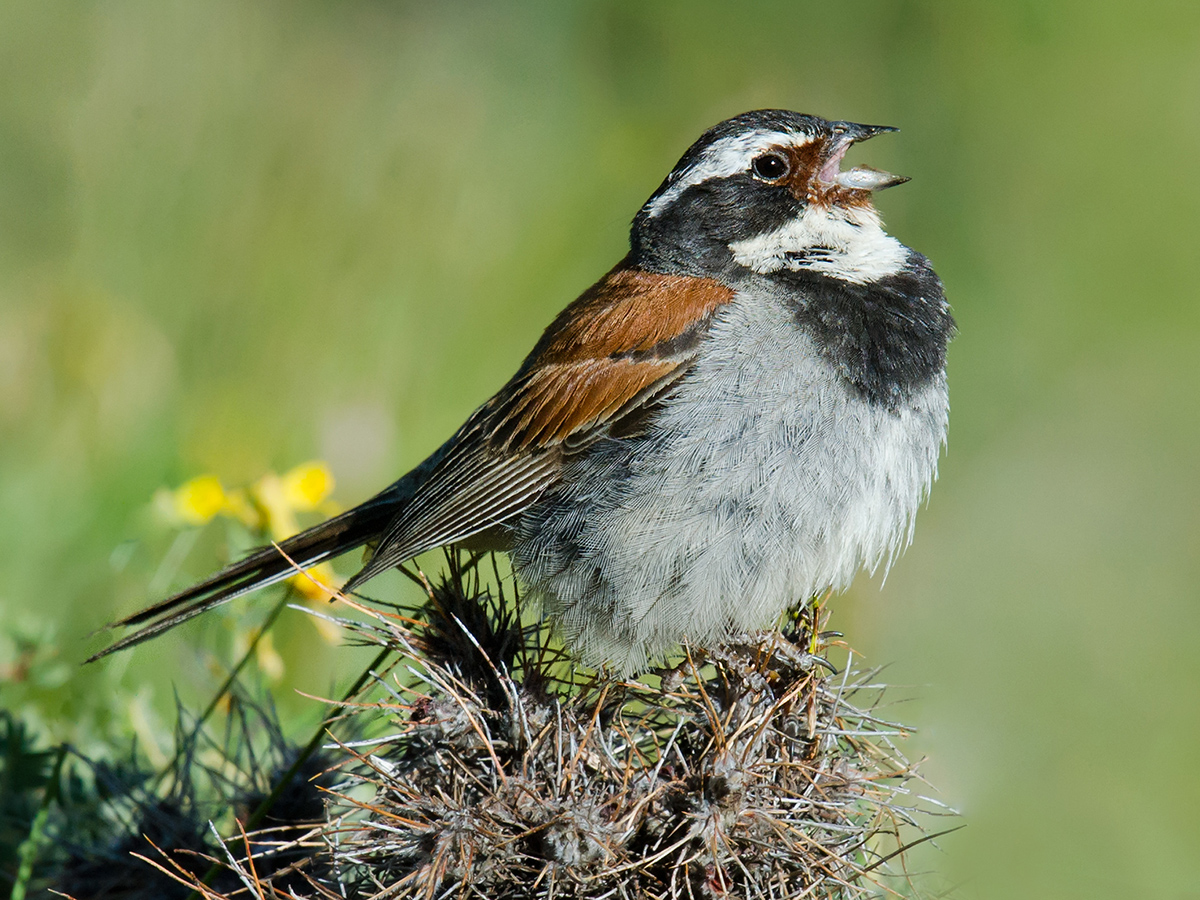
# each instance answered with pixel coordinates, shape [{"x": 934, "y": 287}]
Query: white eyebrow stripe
[{"x": 728, "y": 156}]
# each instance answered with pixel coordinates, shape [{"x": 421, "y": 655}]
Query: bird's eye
[{"x": 770, "y": 166}]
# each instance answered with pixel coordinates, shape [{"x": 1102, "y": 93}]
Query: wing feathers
[
  {"x": 558, "y": 401},
  {"x": 500, "y": 493}
]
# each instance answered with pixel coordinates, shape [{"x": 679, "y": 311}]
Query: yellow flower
[
  {"x": 318, "y": 583},
  {"x": 307, "y": 485},
  {"x": 268, "y": 506},
  {"x": 279, "y": 518},
  {"x": 318, "y": 586},
  {"x": 197, "y": 501},
  {"x": 300, "y": 489}
]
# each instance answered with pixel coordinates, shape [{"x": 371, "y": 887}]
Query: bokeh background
[{"x": 234, "y": 237}]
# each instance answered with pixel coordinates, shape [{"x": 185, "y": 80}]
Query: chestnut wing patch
[
  {"x": 623, "y": 342},
  {"x": 629, "y": 311},
  {"x": 564, "y": 400}
]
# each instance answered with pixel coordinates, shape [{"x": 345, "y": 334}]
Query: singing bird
[{"x": 743, "y": 413}]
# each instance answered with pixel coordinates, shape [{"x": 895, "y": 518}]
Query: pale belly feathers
[{"x": 766, "y": 480}]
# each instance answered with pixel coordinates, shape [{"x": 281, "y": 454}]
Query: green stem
[{"x": 29, "y": 847}]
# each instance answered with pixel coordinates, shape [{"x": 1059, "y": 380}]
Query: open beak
[{"x": 860, "y": 178}]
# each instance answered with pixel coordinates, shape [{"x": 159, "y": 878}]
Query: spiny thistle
[
  {"x": 500, "y": 769},
  {"x": 748, "y": 771}
]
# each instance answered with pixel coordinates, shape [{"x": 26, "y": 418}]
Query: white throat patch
[{"x": 850, "y": 245}]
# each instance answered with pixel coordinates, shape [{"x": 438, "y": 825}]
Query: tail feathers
[{"x": 263, "y": 567}]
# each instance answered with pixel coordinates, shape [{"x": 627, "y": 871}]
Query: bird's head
[{"x": 765, "y": 192}]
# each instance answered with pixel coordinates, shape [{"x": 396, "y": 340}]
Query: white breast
[{"x": 765, "y": 481}]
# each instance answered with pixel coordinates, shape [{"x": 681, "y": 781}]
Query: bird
[{"x": 742, "y": 414}]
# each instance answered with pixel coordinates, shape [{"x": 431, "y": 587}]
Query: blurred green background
[{"x": 237, "y": 236}]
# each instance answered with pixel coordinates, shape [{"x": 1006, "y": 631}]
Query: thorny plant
[
  {"x": 506, "y": 771},
  {"x": 752, "y": 770}
]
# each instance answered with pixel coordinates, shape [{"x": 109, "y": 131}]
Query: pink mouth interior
[{"x": 829, "y": 171}]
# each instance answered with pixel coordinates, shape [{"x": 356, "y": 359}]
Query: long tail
[{"x": 263, "y": 567}]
